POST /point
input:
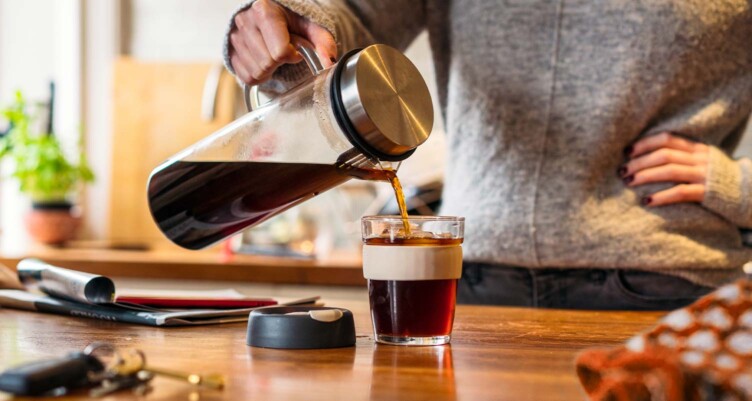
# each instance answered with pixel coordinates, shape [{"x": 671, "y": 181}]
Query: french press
[{"x": 366, "y": 113}]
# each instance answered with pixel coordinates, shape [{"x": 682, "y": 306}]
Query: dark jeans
[{"x": 485, "y": 284}]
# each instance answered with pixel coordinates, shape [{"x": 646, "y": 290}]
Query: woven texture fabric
[{"x": 699, "y": 353}]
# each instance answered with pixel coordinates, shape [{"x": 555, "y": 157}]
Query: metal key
[
  {"x": 123, "y": 371},
  {"x": 213, "y": 381},
  {"x": 138, "y": 382},
  {"x": 134, "y": 362}
]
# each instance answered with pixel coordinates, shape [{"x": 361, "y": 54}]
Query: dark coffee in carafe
[
  {"x": 196, "y": 204},
  {"x": 349, "y": 121}
]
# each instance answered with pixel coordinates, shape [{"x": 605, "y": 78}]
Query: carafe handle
[{"x": 306, "y": 50}]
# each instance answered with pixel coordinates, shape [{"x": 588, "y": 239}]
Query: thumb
[{"x": 322, "y": 40}]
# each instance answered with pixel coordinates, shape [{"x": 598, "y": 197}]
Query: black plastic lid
[{"x": 301, "y": 327}]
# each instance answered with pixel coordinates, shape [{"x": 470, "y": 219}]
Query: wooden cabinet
[{"x": 158, "y": 112}]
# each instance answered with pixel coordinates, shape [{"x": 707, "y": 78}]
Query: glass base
[{"x": 395, "y": 340}]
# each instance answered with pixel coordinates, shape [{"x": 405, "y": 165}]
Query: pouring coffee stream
[
  {"x": 357, "y": 119},
  {"x": 380, "y": 174}
]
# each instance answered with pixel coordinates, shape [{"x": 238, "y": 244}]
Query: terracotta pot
[{"x": 53, "y": 223}]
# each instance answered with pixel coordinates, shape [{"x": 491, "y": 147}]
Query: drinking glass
[{"x": 412, "y": 277}]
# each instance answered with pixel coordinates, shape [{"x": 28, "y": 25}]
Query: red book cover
[{"x": 199, "y": 303}]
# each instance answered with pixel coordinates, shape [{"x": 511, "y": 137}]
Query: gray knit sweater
[{"x": 539, "y": 99}]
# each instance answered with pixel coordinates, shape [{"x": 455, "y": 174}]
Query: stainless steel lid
[{"x": 386, "y": 100}]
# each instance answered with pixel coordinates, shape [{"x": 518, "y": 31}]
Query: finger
[
  {"x": 323, "y": 41},
  {"x": 245, "y": 56},
  {"x": 667, "y": 173},
  {"x": 240, "y": 69},
  {"x": 662, "y": 140},
  {"x": 659, "y": 157},
  {"x": 677, "y": 194},
  {"x": 273, "y": 25},
  {"x": 263, "y": 60}
]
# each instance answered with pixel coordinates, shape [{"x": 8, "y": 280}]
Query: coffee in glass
[{"x": 412, "y": 277}]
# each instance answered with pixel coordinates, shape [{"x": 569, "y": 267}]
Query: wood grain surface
[{"x": 496, "y": 354}]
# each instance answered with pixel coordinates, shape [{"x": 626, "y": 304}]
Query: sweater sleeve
[
  {"x": 728, "y": 188},
  {"x": 353, "y": 23}
]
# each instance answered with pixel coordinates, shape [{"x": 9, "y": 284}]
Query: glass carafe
[{"x": 353, "y": 120}]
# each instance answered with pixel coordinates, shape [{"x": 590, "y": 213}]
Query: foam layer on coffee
[
  {"x": 416, "y": 238},
  {"x": 403, "y": 263}
]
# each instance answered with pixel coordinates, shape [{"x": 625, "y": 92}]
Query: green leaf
[{"x": 40, "y": 165}]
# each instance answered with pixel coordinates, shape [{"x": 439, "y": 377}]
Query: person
[{"x": 588, "y": 141}]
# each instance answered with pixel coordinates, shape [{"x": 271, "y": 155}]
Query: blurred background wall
[{"x": 40, "y": 41}]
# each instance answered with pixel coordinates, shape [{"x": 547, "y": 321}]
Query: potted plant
[{"x": 45, "y": 174}]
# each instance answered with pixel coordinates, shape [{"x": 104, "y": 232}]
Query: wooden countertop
[
  {"x": 496, "y": 353},
  {"x": 175, "y": 263}
]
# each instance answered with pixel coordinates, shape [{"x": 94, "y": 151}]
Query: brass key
[
  {"x": 139, "y": 383},
  {"x": 134, "y": 362},
  {"x": 213, "y": 381}
]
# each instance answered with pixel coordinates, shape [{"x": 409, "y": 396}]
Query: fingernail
[
  {"x": 646, "y": 201},
  {"x": 628, "y": 179},
  {"x": 628, "y": 150},
  {"x": 622, "y": 171}
]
